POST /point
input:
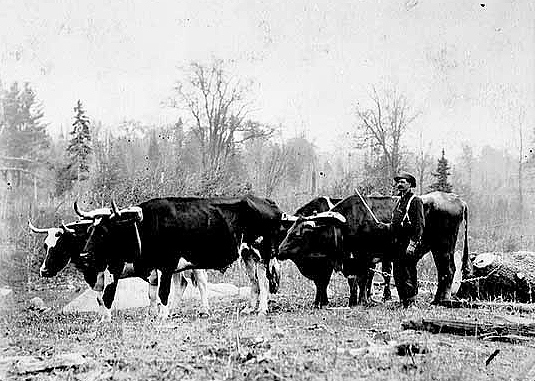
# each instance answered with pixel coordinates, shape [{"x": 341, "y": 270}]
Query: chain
[{"x": 385, "y": 274}]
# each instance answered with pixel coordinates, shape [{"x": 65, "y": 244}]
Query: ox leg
[
  {"x": 369, "y": 284},
  {"x": 364, "y": 281},
  {"x": 263, "y": 288},
  {"x": 153, "y": 293},
  {"x": 107, "y": 298},
  {"x": 353, "y": 283},
  {"x": 179, "y": 284},
  {"x": 163, "y": 292},
  {"x": 99, "y": 288},
  {"x": 386, "y": 268},
  {"x": 252, "y": 273},
  {"x": 103, "y": 312},
  {"x": 445, "y": 263},
  {"x": 359, "y": 286},
  {"x": 322, "y": 278},
  {"x": 321, "y": 299},
  {"x": 274, "y": 275},
  {"x": 200, "y": 278}
]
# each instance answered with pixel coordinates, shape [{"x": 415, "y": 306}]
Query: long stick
[{"x": 367, "y": 206}]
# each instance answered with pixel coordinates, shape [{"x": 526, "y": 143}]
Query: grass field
[{"x": 295, "y": 341}]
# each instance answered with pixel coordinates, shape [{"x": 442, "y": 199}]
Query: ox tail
[{"x": 467, "y": 263}]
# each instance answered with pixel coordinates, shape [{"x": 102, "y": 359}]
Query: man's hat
[{"x": 407, "y": 176}]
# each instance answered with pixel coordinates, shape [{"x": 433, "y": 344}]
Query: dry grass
[{"x": 295, "y": 342}]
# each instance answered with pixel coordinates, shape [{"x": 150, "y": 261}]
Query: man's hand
[{"x": 411, "y": 249}]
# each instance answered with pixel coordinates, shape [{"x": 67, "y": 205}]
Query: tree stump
[{"x": 501, "y": 276}]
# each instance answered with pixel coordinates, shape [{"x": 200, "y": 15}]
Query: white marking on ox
[
  {"x": 179, "y": 282},
  {"x": 257, "y": 273},
  {"x": 183, "y": 265},
  {"x": 105, "y": 313},
  {"x": 52, "y": 237},
  {"x": 198, "y": 278}
]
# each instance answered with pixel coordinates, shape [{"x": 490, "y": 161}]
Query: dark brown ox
[{"x": 364, "y": 237}]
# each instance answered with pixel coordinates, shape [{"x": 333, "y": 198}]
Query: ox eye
[{"x": 57, "y": 234}]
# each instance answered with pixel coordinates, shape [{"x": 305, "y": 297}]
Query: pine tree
[
  {"x": 79, "y": 148},
  {"x": 441, "y": 176},
  {"x": 22, "y": 133},
  {"x": 78, "y": 151}
]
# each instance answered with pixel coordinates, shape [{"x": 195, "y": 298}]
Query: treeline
[{"x": 216, "y": 148}]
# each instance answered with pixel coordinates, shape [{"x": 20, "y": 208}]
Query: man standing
[{"x": 407, "y": 227}]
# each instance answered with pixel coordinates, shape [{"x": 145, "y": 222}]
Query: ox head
[
  {"x": 310, "y": 234},
  {"x": 105, "y": 236},
  {"x": 62, "y": 244}
]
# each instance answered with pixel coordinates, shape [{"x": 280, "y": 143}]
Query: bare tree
[
  {"x": 521, "y": 115},
  {"x": 276, "y": 165},
  {"x": 219, "y": 106},
  {"x": 424, "y": 162},
  {"x": 383, "y": 125}
]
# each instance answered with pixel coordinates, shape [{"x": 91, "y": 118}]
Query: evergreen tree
[
  {"x": 441, "y": 176},
  {"x": 22, "y": 132},
  {"x": 76, "y": 167},
  {"x": 79, "y": 148}
]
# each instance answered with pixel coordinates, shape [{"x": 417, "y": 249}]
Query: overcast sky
[{"x": 467, "y": 66}]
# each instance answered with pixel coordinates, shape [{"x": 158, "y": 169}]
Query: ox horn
[
  {"x": 80, "y": 212},
  {"x": 115, "y": 209},
  {"x": 66, "y": 229},
  {"x": 36, "y": 230}
]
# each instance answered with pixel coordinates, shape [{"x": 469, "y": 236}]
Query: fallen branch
[
  {"x": 471, "y": 328},
  {"x": 32, "y": 364},
  {"x": 512, "y": 306}
]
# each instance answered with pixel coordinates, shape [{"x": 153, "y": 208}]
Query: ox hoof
[
  {"x": 442, "y": 302},
  {"x": 353, "y": 303},
  {"x": 371, "y": 303},
  {"x": 247, "y": 311},
  {"x": 101, "y": 321},
  {"x": 163, "y": 313}
]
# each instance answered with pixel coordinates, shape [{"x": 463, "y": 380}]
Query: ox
[
  {"x": 174, "y": 234},
  {"x": 352, "y": 236},
  {"x": 64, "y": 245},
  {"x": 316, "y": 261}
]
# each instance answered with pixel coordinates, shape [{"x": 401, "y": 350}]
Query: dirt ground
[{"x": 295, "y": 341}]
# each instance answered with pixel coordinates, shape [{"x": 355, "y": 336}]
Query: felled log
[
  {"x": 478, "y": 329},
  {"x": 510, "y": 306},
  {"x": 501, "y": 276}
]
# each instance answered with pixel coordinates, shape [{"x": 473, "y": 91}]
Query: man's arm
[{"x": 416, "y": 215}]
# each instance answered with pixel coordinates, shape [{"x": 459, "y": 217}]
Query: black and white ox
[
  {"x": 168, "y": 235},
  {"x": 353, "y": 236},
  {"x": 64, "y": 245}
]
